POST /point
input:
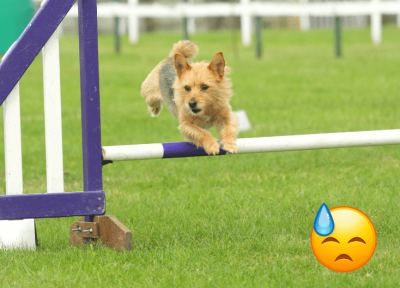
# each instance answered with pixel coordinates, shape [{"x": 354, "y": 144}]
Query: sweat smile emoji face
[{"x": 351, "y": 244}]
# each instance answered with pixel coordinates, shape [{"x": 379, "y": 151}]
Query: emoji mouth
[
  {"x": 343, "y": 256},
  {"x": 196, "y": 110}
]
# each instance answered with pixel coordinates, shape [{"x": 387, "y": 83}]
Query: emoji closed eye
[
  {"x": 357, "y": 239},
  {"x": 330, "y": 239}
]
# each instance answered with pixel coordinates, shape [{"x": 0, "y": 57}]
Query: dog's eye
[
  {"x": 204, "y": 87},
  {"x": 187, "y": 88}
]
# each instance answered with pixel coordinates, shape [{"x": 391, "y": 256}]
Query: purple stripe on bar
[
  {"x": 29, "y": 44},
  {"x": 52, "y": 205},
  {"x": 185, "y": 149},
  {"x": 90, "y": 97}
]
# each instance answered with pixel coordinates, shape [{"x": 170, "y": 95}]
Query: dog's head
[{"x": 201, "y": 88}]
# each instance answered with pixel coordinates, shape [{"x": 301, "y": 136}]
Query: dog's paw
[
  {"x": 231, "y": 148},
  {"x": 212, "y": 148},
  {"x": 155, "y": 110}
]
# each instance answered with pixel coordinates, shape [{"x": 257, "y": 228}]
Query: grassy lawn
[{"x": 238, "y": 221}]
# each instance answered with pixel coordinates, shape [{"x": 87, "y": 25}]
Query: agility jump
[
  {"x": 255, "y": 145},
  {"x": 90, "y": 203}
]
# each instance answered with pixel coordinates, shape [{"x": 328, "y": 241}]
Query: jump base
[{"x": 111, "y": 232}]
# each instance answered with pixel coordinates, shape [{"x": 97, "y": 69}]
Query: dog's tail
[{"x": 186, "y": 48}]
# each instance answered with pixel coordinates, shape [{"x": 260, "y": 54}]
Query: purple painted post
[{"x": 90, "y": 97}]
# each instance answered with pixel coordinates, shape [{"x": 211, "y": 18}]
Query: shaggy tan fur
[{"x": 202, "y": 83}]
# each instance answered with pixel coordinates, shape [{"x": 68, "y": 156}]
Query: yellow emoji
[{"x": 351, "y": 244}]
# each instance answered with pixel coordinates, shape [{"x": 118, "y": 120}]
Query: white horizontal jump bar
[
  {"x": 257, "y": 145},
  {"x": 133, "y": 152}
]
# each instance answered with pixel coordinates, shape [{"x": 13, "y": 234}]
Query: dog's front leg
[
  {"x": 228, "y": 131},
  {"x": 200, "y": 137}
]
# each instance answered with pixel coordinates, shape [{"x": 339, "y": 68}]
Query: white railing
[
  {"x": 246, "y": 10},
  {"x": 21, "y": 233}
]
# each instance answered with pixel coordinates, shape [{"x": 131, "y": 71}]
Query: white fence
[{"x": 246, "y": 10}]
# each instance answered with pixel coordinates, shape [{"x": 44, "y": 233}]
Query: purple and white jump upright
[{"x": 91, "y": 201}]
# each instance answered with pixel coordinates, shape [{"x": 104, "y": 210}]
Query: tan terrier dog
[{"x": 197, "y": 94}]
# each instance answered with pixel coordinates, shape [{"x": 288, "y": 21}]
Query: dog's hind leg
[{"x": 151, "y": 91}]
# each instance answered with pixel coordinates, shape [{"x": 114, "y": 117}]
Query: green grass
[{"x": 238, "y": 221}]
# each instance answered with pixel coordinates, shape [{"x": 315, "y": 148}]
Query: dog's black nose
[{"x": 192, "y": 103}]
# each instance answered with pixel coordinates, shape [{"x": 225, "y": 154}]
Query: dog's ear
[
  {"x": 181, "y": 65},
  {"x": 217, "y": 65}
]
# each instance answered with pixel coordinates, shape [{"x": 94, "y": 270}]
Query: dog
[{"x": 197, "y": 94}]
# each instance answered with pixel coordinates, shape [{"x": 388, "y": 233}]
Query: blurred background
[
  {"x": 135, "y": 17},
  {"x": 217, "y": 23}
]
